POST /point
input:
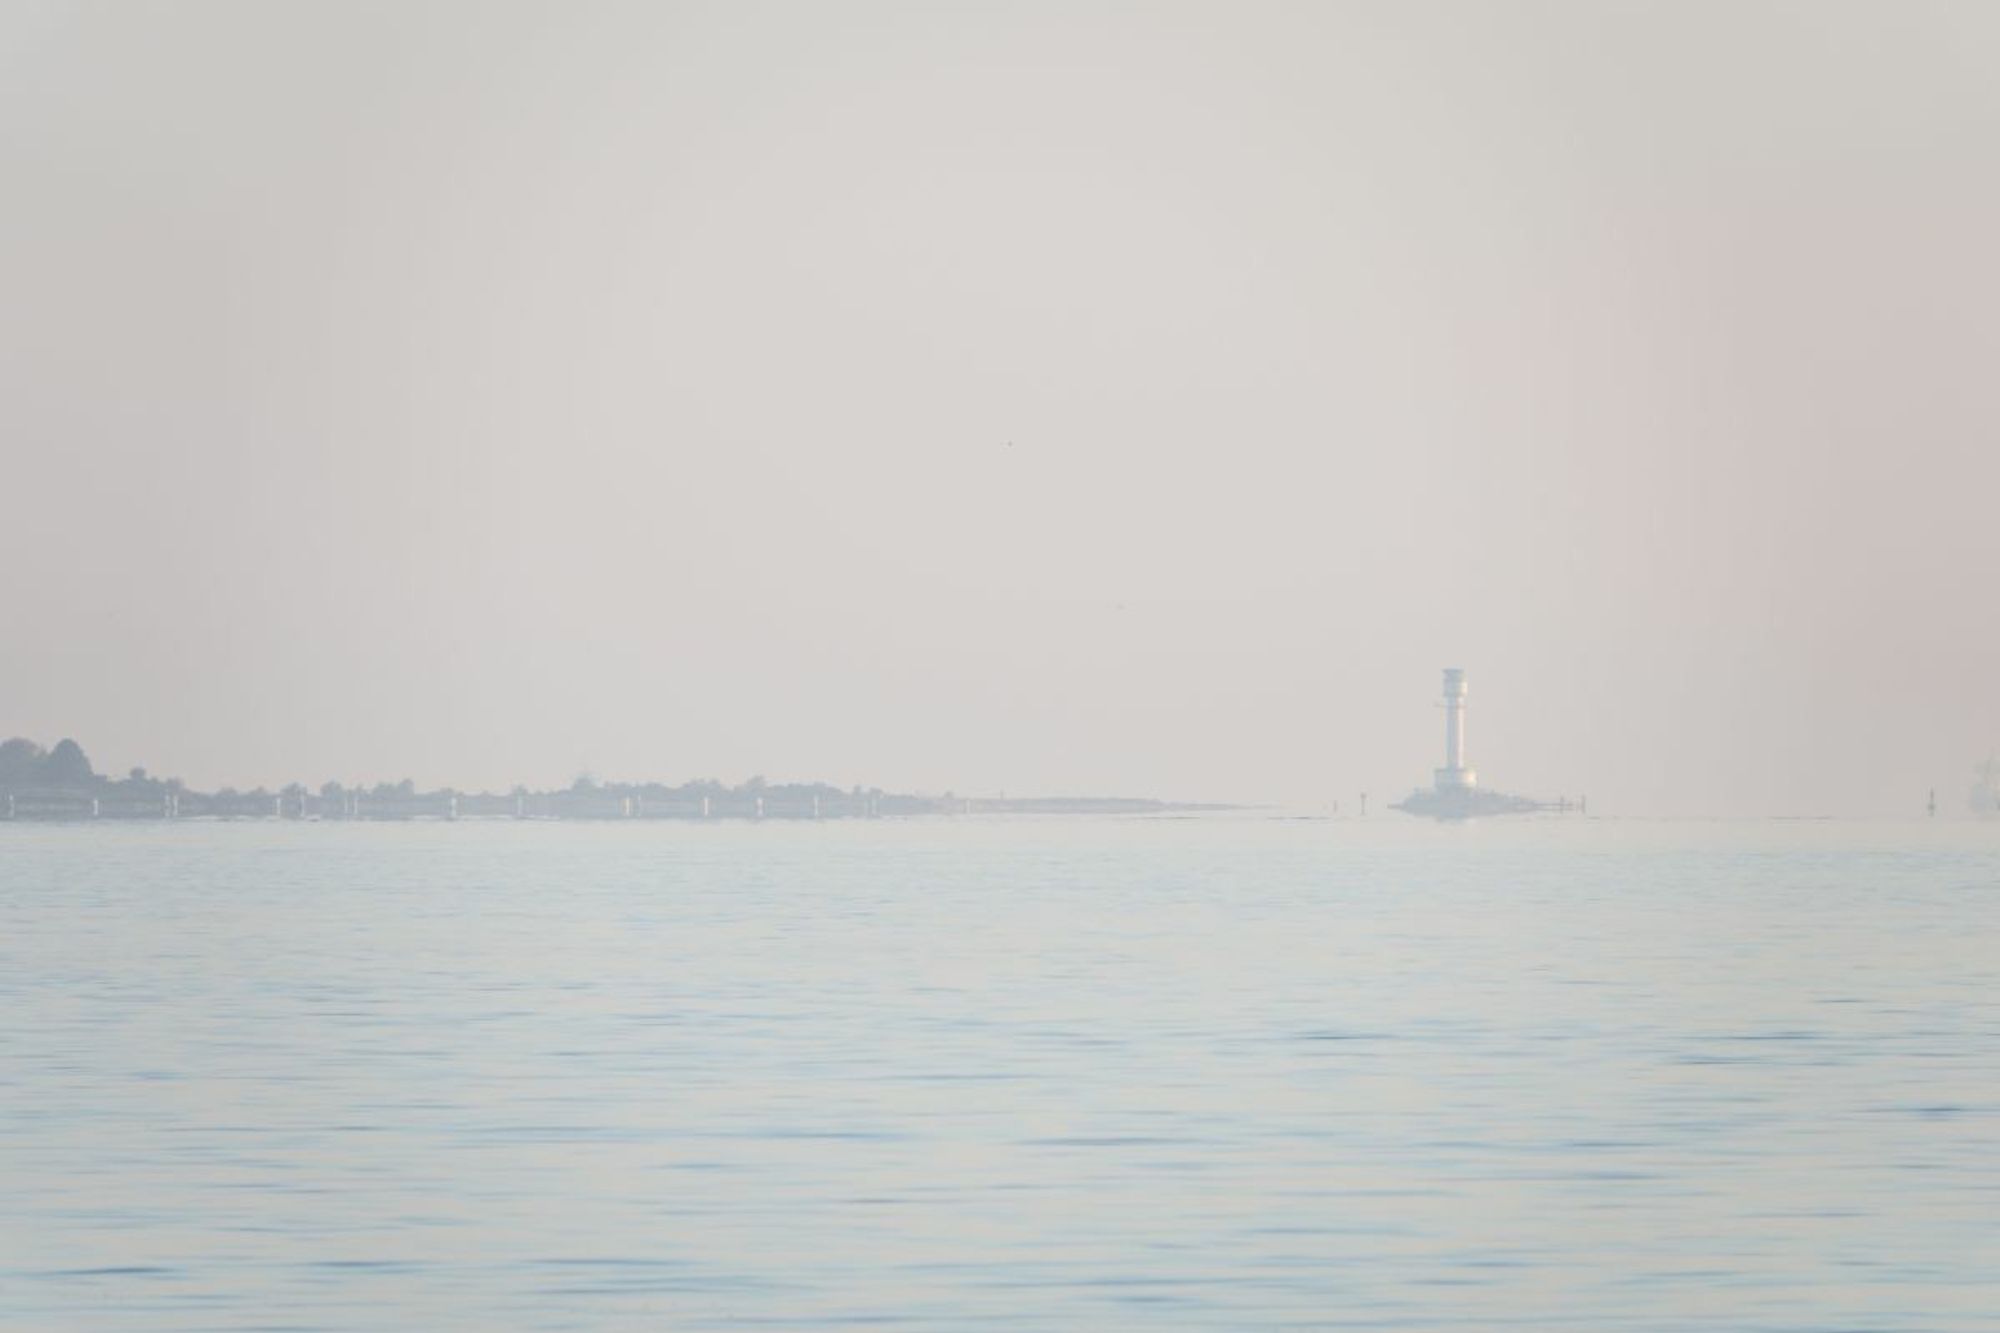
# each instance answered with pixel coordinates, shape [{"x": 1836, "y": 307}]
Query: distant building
[
  {"x": 1454, "y": 792},
  {"x": 1984, "y": 798}
]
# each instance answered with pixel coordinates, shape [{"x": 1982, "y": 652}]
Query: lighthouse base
[{"x": 1467, "y": 802}]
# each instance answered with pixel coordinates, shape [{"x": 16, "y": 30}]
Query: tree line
[{"x": 25, "y": 767}]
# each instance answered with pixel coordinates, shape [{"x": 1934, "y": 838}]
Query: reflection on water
[{"x": 1208, "y": 1073}]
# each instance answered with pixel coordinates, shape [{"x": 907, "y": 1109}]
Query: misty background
[{"x": 1088, "y": 398}]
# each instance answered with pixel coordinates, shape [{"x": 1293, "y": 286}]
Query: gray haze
[{"x": 1102, "y": 398}]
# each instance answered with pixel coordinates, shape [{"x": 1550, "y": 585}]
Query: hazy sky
[{"x": 1117, "y": 398}]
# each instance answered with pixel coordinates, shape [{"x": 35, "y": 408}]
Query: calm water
[{"x": 1215, "y": 1074}]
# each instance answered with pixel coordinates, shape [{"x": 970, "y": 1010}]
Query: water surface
[{"x": 1014, "y": 1073}]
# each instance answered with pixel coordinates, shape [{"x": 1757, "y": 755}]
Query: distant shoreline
[
  {"x": 60, "y": 785},
  {"x": 82, "y": 808}
]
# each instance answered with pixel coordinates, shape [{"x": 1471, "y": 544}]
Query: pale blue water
[{"x": 1203, "y": 1074}]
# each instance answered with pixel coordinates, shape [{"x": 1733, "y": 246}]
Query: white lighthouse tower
[
  {"x": 1455, "y": 775},
  {"x": 1455, "y": 793}
]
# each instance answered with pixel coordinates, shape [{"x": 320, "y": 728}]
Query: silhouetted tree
[
  {"x": 20, "y": 762},
  {"x": 67, "y": 766}
]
